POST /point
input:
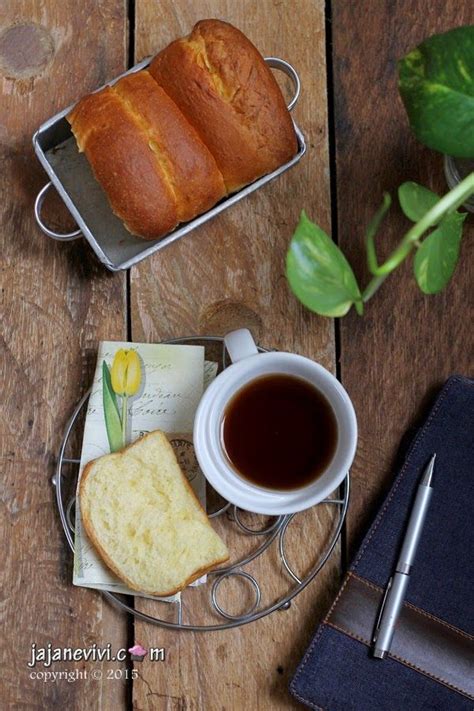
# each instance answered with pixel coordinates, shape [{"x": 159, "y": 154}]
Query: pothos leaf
[
  {"x": 436, "y": 258},
  {"x": 111, "y": 414},
  {"x": 415, "y": 200},
  {"x": 436, "y": 82},
  {"x": 319, "y": 274}
]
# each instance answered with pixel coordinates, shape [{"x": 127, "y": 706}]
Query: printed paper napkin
[{"x": 137, "y": 388}]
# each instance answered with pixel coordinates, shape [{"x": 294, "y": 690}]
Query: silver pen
[{"x": 397, "y": 585}]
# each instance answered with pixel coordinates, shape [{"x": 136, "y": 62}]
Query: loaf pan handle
[
  {"x": 277, "y": 63},
  {"x": 65, "y": 237}
]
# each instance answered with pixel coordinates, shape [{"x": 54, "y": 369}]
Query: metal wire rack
[{"x": 274, "y": 533}]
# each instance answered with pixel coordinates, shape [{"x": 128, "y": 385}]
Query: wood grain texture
[
  {"x": 56, "y": 304},
  {"x": 394, "y": 358},
  {"x": 230, "y": 273}
]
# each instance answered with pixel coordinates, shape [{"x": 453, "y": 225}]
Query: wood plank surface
[
  {"x": 394, "y": 358},
  {"x": 228, "y": 274},
  {"x": 56, "y": 303}
]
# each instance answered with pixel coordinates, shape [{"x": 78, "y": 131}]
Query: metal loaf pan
[{"x": 70, "y": 173}]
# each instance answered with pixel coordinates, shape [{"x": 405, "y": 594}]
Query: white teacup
[{"x": 248, "y": 364}]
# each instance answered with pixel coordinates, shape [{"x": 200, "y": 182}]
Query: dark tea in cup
[{"x": 279, "y": 432}]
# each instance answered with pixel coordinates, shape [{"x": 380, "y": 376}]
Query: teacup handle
[{"x": 240, "y": 344}]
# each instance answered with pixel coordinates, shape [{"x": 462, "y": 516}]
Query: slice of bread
[{"x": 143, "y": 517}]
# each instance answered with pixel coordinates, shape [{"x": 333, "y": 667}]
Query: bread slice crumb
[{"x": 144, "y": 519}]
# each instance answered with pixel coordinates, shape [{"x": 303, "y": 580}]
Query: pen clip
[{"x": 382, "y": 605}]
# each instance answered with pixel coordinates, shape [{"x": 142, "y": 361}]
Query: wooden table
[{"x": 57, "y": 303}]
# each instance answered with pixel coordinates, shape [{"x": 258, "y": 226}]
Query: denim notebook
[{"x": 431, "y": 662}]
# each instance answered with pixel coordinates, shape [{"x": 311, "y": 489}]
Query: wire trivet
[{"x": 276, "y": 532}]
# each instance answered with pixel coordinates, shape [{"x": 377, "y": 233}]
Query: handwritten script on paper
[{"x": 173, "y": 380}]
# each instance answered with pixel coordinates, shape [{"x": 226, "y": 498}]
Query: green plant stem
[
  {"x": 448, "y": 203},
  {"x": 372, "y": 287},
  {"x": 124, "y": 419},
  {"x": 372, "y": 230}
]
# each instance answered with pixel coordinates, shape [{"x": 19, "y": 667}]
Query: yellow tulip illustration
[
  {"x": 125, "y": 378},
  {"x": 126, "y": 373}
]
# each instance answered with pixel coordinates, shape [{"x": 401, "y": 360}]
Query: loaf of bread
[
  {"x": 150, "y": 161},
  {"x": 223, "y": 86},
  {"x": 167, "y": 143},
  {"x": 142, "y": 516}
]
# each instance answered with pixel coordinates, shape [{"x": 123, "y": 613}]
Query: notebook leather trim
[{"x": 421, "y": 641}]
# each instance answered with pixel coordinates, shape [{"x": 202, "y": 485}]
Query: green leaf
[
  {"x": 436, "y": 259},
  {"x": 318, "y": 272},
  {"x": 111, "y": 413},
  {"x": 415, "y": 200},
  {"x": 436, "y": 82},
  {"x": 372, "y": 230}
]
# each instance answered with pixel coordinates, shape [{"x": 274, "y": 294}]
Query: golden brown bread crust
[
  {"x": 164, "y": 160},
  {"x": 150, "y": 161},
  {"x": 221, "y": 83},
  {"x": 103, "y": 553},
  {"x": 191, "y": 170},
  {"x": 123, "y": 164}
]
